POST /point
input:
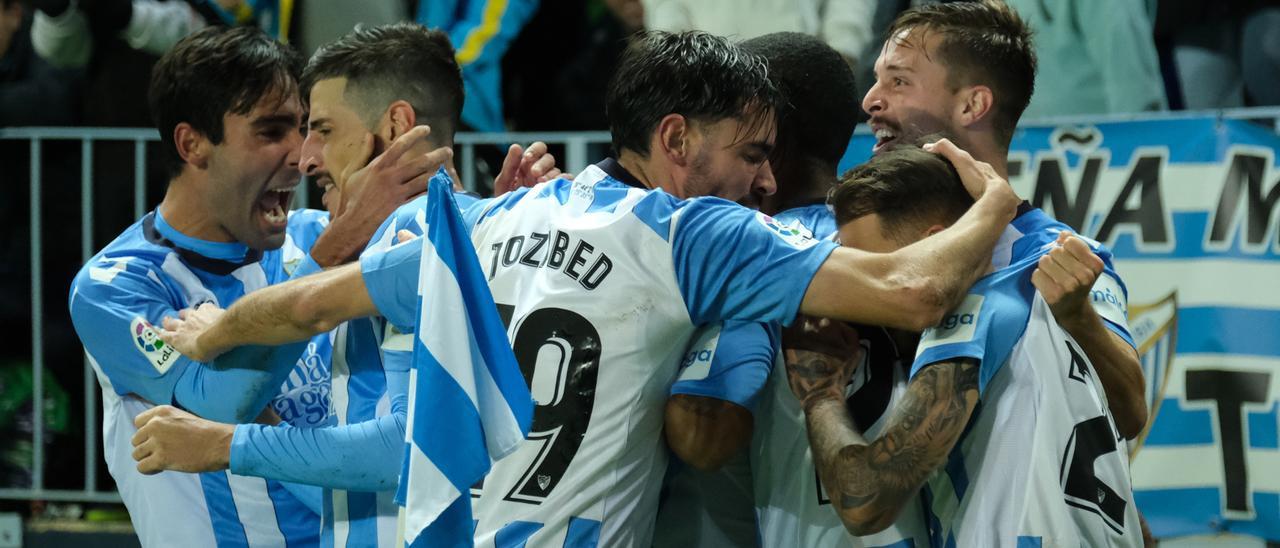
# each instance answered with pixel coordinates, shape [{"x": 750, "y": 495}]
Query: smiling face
[
  {"x": 254, "y": 170},
  {"x": 334, "y": 143},
  {"x": 911, "y": 97}
]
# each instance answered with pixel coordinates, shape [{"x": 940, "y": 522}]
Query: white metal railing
[{"x": 576, "y": 157}]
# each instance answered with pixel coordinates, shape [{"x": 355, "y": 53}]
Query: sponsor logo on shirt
[
  {"x": 147, "y": 340},
  {"x": 794, "y": 234},
  {"x": 956, "y": 327}
]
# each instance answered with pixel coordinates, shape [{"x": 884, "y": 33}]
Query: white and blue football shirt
[
  {"x": 357, "y": 457},
  {"x": 602, "y": 285},
  {"x": 1041, "y": 462},
  {"x": 147, "y": 273}
]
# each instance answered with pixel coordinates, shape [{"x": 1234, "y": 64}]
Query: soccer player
[
  {"x": 371, "y": 88},
  {"x": 1003, "y": 419},
  {"x": 232, "y": 146},
  {"x": 966, "y": 70},
  {"x": 604, "y": 281}
]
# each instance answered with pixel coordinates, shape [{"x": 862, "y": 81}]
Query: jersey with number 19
[{"x": 602, "y": 284}]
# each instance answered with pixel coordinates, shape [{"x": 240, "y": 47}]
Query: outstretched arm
[{"x": 274, "y": 315}]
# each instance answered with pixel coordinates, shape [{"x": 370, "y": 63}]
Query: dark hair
[
  {"x": 697, "y": 75},
  {"x": 983, "y": 42},
  {"x": 214, "y": 72},
  {"x": 909, "y": 188},
  {"x": 399, "y": 61},
  {"x": 820, "y": 96}
]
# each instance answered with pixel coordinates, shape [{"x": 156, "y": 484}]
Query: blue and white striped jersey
[
  {"x": 147, "y": 273},
  {"x": 602, "y": 285},
  {"x": 1041, "y": 462}
]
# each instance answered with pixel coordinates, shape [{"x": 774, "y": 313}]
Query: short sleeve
[
  {"x": 734, "y": 263},
  {"x": 729, "y": 362},
  {"x": 391, "y": 278},
  {"x": 116, "y": 304},
  {"x": 985, "y": 327}
]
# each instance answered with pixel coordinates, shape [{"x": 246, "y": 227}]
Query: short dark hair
[
  {"x": 909, "y": 188},
  {"x": 702, "y": 77},
  {"x": 399, "y": 61},
  {"x": 820, "y": 96},
  {"x": 983, "y": 42},
  {"x": 214, "y": 72}
]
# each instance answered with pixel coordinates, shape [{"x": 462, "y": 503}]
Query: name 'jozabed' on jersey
[
  {"x": 1042, "y": 460},
  {"x": 602, "y": 285}
]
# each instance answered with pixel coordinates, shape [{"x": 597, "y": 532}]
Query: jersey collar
[
  {"x": 615, "y": 171},
  {"x": 219, "y": 258}
]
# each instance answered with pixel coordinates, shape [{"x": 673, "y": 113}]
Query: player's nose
[
  {"x": 764, "y": 184},
  {"x": 311, "y": 160}
]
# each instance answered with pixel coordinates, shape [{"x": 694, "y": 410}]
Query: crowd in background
[{"x": 533, "y": 65}]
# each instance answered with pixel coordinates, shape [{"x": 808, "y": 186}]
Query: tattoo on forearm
[{"x": 924, "y": 429}]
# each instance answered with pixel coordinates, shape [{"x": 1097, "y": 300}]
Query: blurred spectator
[
  {"x": 323, "y": 21},
  {"x": 1225, "y": 54},
  {"x": 481, "y": 31},
  {"x": 32, "y": 93},
  {"x": 845, "y": 25},
  {"x": 1095, "y": 57}
]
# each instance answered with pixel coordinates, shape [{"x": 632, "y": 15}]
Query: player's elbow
[
  {"x": 923, "y": 301},
  {"x": 705, "y": 441},
  {"x": 312, "y": 311}
]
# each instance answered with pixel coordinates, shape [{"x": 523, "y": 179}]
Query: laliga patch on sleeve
[
  {"x": 957, "y": 326},
  {"x": 794, "y": 234},
  {"x": 147, "y": 340},
  {"x": 696, "y": 364},
  {"x": 1109, "y": 300}
]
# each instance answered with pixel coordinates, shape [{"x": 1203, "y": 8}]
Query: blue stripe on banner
[
  {"x": 582, "y": 533},
  {"x": 298, "y": 524},
  {"x": 362, "y": 519},
  {"x": 1262, "y": 429},
  {"x": 459, "y": 453},
  {"x": 227, "y": 529},
  {"x": 1223, "y": 330},
  {"x": 1177, "y": 426},
  {"x": 1179, "y": 512},
  {"x": 1189, "y": 231},
  {"x": 515, "y": 534},
  {"x": 1266, "y": 506}
]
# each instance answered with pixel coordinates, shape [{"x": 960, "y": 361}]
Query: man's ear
[
  {"x": 193, "y": 147},
  {"x": 978, "y": 104},
  {"x": 672, "y": 139},
  {"x": 397, "y": 120},
  {"x": 933, "y": 230}
]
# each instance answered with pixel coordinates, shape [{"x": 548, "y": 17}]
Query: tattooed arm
[{"x": 870, "y": 482}]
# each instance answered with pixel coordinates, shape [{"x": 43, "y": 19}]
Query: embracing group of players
[{"x": 906, "y": 355}]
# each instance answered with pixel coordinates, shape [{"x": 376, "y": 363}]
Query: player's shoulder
[
  {"x": 1037, "y": 232},
  {"x": 135, "y": 255},
  {"x": 817, "y": 218}
]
